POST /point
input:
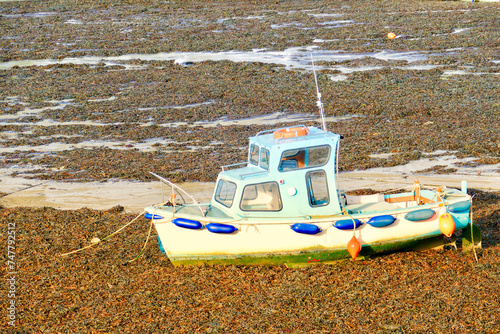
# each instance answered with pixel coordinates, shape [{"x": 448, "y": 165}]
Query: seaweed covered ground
[
  {"x": 96, "y": 91},
  {"x": 100, "y": 291},
  {"x": 106, "y": 90}
]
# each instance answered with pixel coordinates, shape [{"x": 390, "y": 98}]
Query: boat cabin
[{"x": 290, "y": 172}]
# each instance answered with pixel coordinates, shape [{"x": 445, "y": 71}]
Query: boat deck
[{"x": 366, "y": 208}]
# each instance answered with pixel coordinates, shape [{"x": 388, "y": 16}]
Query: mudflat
[{"x": 103, "y": 93}]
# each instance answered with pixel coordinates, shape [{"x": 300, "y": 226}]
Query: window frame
[
  {"x": 217, "y": 192},
  {"x": 262, "y": 150},
  {"x": 310, "y": 189},
  {"x": 250, "y": 155},
  {"x": 307, "y": 153},
  {"x": 280, "y": 201}
]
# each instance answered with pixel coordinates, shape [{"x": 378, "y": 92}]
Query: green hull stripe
[{"x": 303, "y": 257}]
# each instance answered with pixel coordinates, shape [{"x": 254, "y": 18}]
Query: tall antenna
[{"x": 318, "y": 103}]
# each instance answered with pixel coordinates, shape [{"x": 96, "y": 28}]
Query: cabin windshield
[
  {"x": 315, "y": 156},
  {"x": 259, "y": 156},
  {"x": 224, "y": 194},
  {"x": 254, "y": 154},
  {"x": 261, "y": 197},
  {"x": 264, "y": 158}
]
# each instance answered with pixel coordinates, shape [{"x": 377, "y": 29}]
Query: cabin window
[
  {"x": 317, "y": 188},
  {"x": 304, "y": 158},
  {"x": 264, "y": 158},
  {"x": 254, "y": 154},
  {"x": 225, "y": 193},
  {"x": 261, "y": 197}
]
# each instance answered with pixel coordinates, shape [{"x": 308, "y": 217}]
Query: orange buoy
[
  {"x": 291, "y": 132},
  {"x": 446, "y": 224},
  {"x": 391, "y": 35},
  {"x": 353, "y": 247}
]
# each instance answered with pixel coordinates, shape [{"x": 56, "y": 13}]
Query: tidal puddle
[
  {"x": 27, "y": 111},
  {"x": 449, "y": 73},
  {"x": 291, "y": 58},
  {"x": 298, "y": 58},
  {"x": 154, "y": 143},
  {"x": 150, "y": 145},
  {"x": 270, "y": 119},
  {"x": 444, "y": 160}
]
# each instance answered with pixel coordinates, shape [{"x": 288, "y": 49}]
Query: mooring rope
[
  {"x": 471, "y": 231},
  {"x": 147, "y": 238},
  {"x": 344, "y": 211},
  {"x": 107, "y": 237}
]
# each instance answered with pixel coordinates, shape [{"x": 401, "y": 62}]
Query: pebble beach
[{"x": 103, "y": 92}]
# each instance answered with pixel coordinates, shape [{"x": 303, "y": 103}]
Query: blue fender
[
  {"x": 148, "y": 215},
  {"x": 346, "y": 224},
  {"x": 187, "y": 223},
  {"x": 418, "y": 215},
  {"x": 459, "y": 207},
  {"x": 306, "y": 228},
  {"x": 221, "y": 228},
  {"x": 381, "y": 221}
]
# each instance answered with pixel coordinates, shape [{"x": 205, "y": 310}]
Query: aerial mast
[{"x": 319, "y": 103}]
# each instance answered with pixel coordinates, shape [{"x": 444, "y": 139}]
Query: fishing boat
[{"x": 283, "y": 206}]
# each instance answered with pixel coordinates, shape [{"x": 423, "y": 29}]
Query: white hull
[{"x": 270, "y": 238}]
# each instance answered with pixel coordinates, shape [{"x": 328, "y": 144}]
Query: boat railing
[
  {"x": 242, "y": 176},
  {"x": 233, "y": 165},
  {"x": 173, "y": 185},
  {"x": 272, "y": 130},
  {"x": 308, "y": 137}
]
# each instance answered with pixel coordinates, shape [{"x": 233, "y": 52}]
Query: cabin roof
[
  {"x": 238, "y": 173},
  {"x": 315, "y": 137}
]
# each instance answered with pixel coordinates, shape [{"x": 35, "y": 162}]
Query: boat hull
[
  {"x": 276, "y": 243},
  {"x": 297, "y": 258}
]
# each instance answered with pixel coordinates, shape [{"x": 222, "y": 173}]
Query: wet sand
[
  {"x": 135, "y": 196},
  {"x": 93, "y": 96}
]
